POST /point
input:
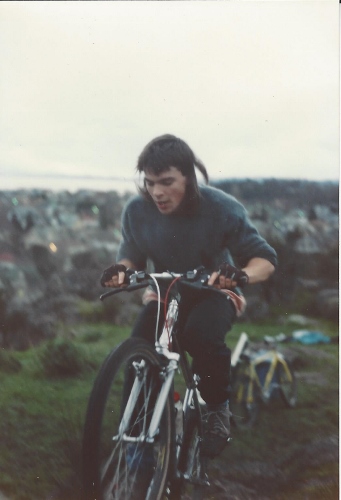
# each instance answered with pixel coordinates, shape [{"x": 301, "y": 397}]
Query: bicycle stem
[
  {"x": 165, "y": 340},
  {"x": 171, "y": 317}
]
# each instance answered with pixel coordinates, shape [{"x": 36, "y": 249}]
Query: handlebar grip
[{"x": 126, "y": 289}]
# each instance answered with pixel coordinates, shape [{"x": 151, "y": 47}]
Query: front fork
[{"x": 168, "y": 376}]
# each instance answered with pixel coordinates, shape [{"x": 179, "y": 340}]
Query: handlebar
[{"x": 197, "y": 278}]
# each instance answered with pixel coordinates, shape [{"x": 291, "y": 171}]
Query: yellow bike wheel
[{"x": 244, "y": 400}]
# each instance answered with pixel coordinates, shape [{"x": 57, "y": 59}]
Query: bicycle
[
  {"x": 259, "y": 376},
  {"x": 131, "y": 448}
]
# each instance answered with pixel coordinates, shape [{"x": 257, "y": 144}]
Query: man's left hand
[{"x": 228, "y": 277}]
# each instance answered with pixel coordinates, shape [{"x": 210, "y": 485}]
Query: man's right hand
[{"x": 114, "y": 276}]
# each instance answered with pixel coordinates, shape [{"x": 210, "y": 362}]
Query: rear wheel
[
  {"x": 192, "y": 466},
  {"x": 287, "y": 384},
  {"x": 118, "y": 463},
  {"x": 244, "y": 401}
]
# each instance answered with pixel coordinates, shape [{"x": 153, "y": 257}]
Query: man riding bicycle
[{"x": 178, "y": 225}]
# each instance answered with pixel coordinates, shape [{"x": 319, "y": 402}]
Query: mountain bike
[
  {"x": 259, "y": 376},
  {"x": 133, "y": 445}
]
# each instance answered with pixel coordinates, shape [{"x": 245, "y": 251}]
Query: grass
[
  {"x": 295, "y": 444},
  {"x": 41, "y": 418},
  {"x": 42, "y": 414}
]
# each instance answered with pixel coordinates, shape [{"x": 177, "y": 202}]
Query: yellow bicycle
[{"x": 259, "y": 377}]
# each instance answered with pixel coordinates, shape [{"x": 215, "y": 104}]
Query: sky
[{"x": 252, "y": 86}]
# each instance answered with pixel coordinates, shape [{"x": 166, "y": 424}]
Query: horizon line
[{"x": 132, "y": 179}]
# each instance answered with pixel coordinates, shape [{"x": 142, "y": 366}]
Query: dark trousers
[{"x": 204, "y": 320}]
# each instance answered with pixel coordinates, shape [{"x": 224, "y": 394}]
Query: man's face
[{"x": 166, "y": 189}]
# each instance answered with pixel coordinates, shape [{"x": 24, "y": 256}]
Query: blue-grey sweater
[{"x": 219, "y": 232}]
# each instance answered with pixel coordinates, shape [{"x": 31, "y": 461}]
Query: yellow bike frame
[{"x": 274, "y": 358}]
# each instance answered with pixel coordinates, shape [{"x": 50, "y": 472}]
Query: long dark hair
[{"x": 168, "y": 151}]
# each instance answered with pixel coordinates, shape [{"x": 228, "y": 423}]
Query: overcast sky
[{"x": 252, "y": 86}]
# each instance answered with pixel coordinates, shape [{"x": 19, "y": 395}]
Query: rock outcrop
[{"x": 54, "y": 245}]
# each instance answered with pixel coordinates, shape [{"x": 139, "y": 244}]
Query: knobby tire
[
  {"x": 288, "y": 387},
  {"x": 192, "y": 466},
  {"x": 243, "y": 405}
]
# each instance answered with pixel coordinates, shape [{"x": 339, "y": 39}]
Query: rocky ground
[
  {"x": 264, "y": 481},
  {"x": 309, "y": 472}
]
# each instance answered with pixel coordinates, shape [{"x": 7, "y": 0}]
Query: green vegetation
[
  {"x": 8, "y": 362},
  {"x": 62, "y": 358},
  {"x": 292, "y": 453},
  {"x": 45, "y": 390}
]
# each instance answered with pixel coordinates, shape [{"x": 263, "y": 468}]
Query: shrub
[
  {"x": 92, "y": 337},
  {"x": 8, "y": 363},
  {"x": 62, "y": 358},
  {"x": 90, "y": 311}
]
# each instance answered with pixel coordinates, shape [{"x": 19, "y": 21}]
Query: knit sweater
[{"x": 220, "y": 231}]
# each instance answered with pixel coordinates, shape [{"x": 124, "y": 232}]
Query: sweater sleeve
[
  {"x": 129, "y": 249},
  {"x": 245, "y": 242}
]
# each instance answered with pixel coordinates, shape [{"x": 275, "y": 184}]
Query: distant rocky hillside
[
  {"x": 300, "y": 219},
  {"x": 294, "y": 193},
  {"x": 53, "y": 246}
]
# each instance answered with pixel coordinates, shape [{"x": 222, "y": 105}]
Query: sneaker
[{"x": 216, "y": 432}]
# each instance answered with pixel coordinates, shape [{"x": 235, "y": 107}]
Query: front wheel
[{"x": 118, "y": 463}]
